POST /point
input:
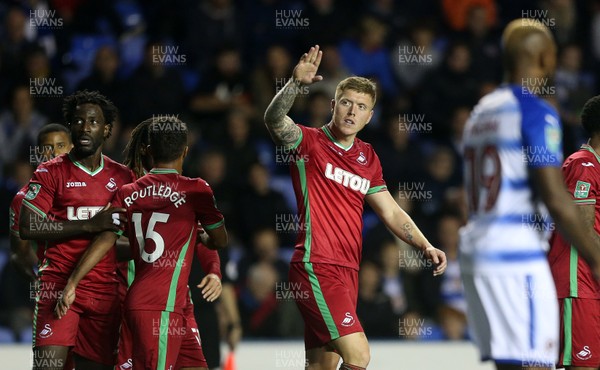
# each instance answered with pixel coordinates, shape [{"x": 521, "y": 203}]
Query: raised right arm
[{"x": 282, "y": 128}]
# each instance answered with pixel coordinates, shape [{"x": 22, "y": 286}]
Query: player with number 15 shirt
[
  {"x": 159, "y": 208},
  {"x": 163, "y": 209}
]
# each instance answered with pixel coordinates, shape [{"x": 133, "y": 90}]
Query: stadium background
[{"x": 217, "y": 63}]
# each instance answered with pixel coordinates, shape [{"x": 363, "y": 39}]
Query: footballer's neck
[
  {"x": 594, "y": 142},
  {"x": 345, "y": 140},
  {"x": 176, "y": 165},
  {"x": 89, "y": 161}
]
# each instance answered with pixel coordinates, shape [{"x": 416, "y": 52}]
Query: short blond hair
[{"x": 359, "y": 84}]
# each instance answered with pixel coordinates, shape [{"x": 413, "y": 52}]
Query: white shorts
[{"x": 513, "y": 317}]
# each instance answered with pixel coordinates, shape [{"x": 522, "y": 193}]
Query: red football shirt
[
  {"x": 572, "y": 275},
  {"x": 163, "y": 210},
  {"x": 63, "y": 189},
  {"x": 331, "y": 183}
]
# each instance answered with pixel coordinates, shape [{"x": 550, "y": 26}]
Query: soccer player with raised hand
[{"x": 334, "y": 173}]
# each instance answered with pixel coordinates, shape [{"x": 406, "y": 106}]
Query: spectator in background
[
  {"x": 458, "y": 120},
  {"x": 460, "y": 116},
  {"x": 258, "y": 303},
  {"x": 482, "y": 39},
  {"x": 239, "y": 148},
  {"x": 45, "y": 86},
  {"x": 574, "y": 86},
  {"x": 563, "y": 15},
  {"x": 441, "y": 175},
  {"x": 388, "y": 12},
  {"x": 212, "y": 167},
  {"x": 264, "y": 248},
  {"x": 401, "y": 156},
  {"x": 154, "y": 88},
  {"x": 453, "y": 305},
  {"x": 13, "y": 48},
  {"x": 225, "y": 86},
  {"x": 271, "y": 74},
  {"x": 415, "y": 55},
  {"x": 373, "y": 307},
  {"x": 16, "y": 305},
  {"x": 441, "y": 94},
  {"x": 325, "y": 16},
  {"x": 318, "y": 109},
  {"x": 19, "y": 125},
  {"x": 367, "y": 55},
  {"x": 44, "y": 36},
  {"x": 391, "y": 278},
  {"x": 261, "y": 206},
  {"x": 595, "y": 32},
  {"x": 104, "y": 76},
  {"x": 456, "y": 12},
  {"x": 332, "y": 69},
  {"x": 218, "y": 22}
]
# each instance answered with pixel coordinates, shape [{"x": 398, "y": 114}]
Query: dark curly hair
[
  {"x": 109, "y": 110},
  {"x": 135, "y": 150},
  {"x": 590, "y": 116}
]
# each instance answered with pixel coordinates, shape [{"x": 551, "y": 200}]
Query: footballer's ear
[
  {"x": 185, "y": 152},
  {"x": 332, "y": 104},
  {"x": 147, "y": 150}
]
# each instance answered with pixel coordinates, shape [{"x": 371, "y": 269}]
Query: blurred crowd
[{"x": 216, "y": 64}]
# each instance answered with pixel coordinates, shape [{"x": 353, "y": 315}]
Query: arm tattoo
[
  {"x": 283, "y": 130},
  {"x": 408, "y": 232}
]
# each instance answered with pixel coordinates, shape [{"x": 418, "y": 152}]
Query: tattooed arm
[
  {"x": 400, "y": 223},
  {"x": 282, "y": 128}
]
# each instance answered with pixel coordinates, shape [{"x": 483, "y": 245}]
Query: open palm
[{"x": 306, "y": 69}]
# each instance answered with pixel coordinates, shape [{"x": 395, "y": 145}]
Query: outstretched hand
[{"x": 305, "y": 71}]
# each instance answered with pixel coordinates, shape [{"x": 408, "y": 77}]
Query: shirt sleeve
[
  {"x": 580, "y": 177},
  {"x": 14, "y": 212},
  {"x": 209, "y": 260},
  {"x": 542, "y": 134},
  {"x": 41, "y": 191},
  {"x": 206, "y": 207},
  {"x": 377, "y": 182},
  {"x": 306, "y": 139}
]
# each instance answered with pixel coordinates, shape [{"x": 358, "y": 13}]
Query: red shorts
[
  {"x": 157, "y": 335},
  {"x": 91, "y": 326},
  {"x": 579, "y": 327},
  {"x": 190, "y": 354},
  {"x": 326, "y": 297}
]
